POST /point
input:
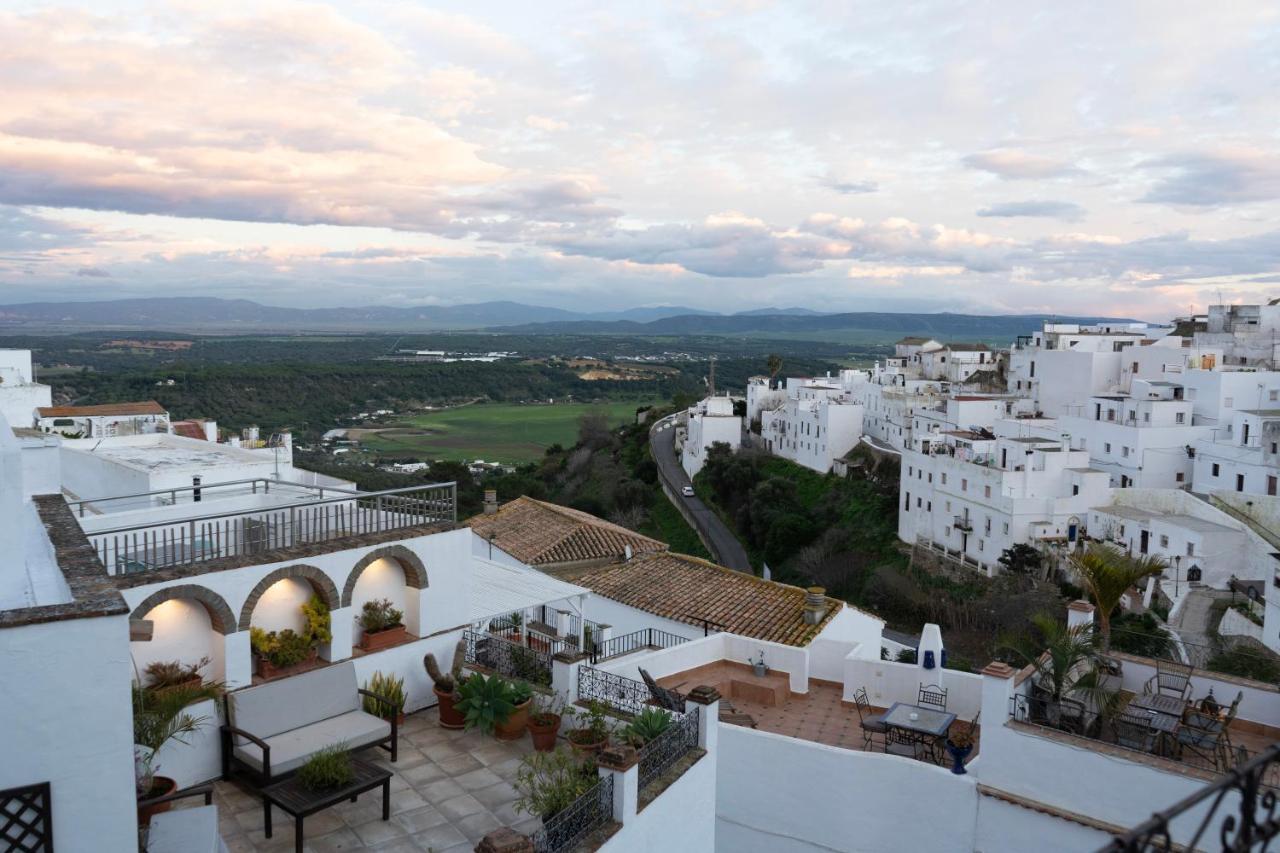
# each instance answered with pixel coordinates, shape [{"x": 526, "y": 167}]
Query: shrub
[
  {"x": 388, "y": 687},
  {"x": 1140, "y": 635},
  {"x": 380, "y": 615},
  {"x": 647, "y": 725},
  {"x": 164, "y": 674},
  {"x": 595, "y": 728},
  {"x": 1246, "y": 663},
  {"x": 327, "y": 769},
  {"x": 284, "y": 648},
  {"x": 550, "y": 782},
  {"x": 317, "y": 616},
  {"x": 484, "y": 702}
]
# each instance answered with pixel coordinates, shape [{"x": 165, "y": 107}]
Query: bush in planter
[
  {"x": 594, "y": 733},
  {"x": 159, "y": 716},
  {"x": 544, "y": 720},
  {"x": 316, "y": 613},
  {"x": 388, "y": 687},
  {"x": 647, "y": 725},
  {"x": 327, "y": 769},
  {"x": 485, "y": 703},
  {"x": 550, "y": 782},
  {"x": 378, "y": 616},
  {"x": 172, "y": 673},
  {"x": 281, "y": 649}
]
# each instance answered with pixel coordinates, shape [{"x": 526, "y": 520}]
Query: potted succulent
[
  {"x": 544, "y": 721},
  {"x": 328, "y": 769},
  {"x": 521, "y": 695},
  {"x": 390, "y": 688},
  {"x": 163, "y": 675},
  {"x": 382, "y": 625},
  {"x": 485, "y": 702},
  {"x": 593, "y": 735},
  {"x": 445, "y": 686},
  {"x": 647, "y": 725},
  {"x": 959, "y": 745},
  {"x": 160, "y": 716},
  {"x": 550, "y": 782}
]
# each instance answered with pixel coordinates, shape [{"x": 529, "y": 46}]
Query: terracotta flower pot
[
  {"x": 586, "y": 747},
  {"x": 450, "y": 717},
  {"x": 514, "y": 727},
  {"x": 267, "y": 670},
  {"x": 544, "y": 733},
  {"x": 372, "y": 641},
  {"x": 160, "y": 786}
]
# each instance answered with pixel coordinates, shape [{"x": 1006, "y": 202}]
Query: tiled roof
[
  {"x": 189, "y": 429},
  {"x": 912, "y": 341},
  {"x": 964, "y": 347},
  {"x": 686, "y": 589},
  {"x": 540, "y": 534},
  {"x": 150, "y": 407}
]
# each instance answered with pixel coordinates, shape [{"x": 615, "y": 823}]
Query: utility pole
[{"x": 711, "y": 381}]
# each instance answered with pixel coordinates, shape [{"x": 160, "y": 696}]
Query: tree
[
  {"x": 1107, "y": 573},
  {"x": 1021, "y": 558}
]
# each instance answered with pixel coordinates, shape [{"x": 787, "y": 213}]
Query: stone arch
[
  {"x": 1194, "y": 574},
  {"x": 220, "y": 615},
  {"x": 415, "y": 573},
  {"x": 320, "y": 582}
]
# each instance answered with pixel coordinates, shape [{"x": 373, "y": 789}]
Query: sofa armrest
[
  {"x": 200, "y": 790},
  {"x": 228, "y": 731},
  {"x": 387, "y": 703},
  {"x": 395, "y": 712}
]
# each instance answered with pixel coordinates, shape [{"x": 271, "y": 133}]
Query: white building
[
  {"x": 955, "y": 362},
  {"x": 105, "y": 421},
  {"x": 966, "y": 412},
  {"x": 710, "y": 421},
  {"x": 1248, "y": 334},
  {"x": 1246, "y": 459},
  {"x": 20, "y": 394},
  {"x": 817, "y": 424},
  {"x": 975, "y": 495},
  {"x": 763, "y": 394}
]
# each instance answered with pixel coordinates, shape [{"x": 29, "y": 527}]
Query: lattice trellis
[{"x": 26, "y": 820}]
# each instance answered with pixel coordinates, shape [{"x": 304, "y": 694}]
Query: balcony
[
  {"x": 169, "y": 542},
  {"x": 961, "y": 522}
]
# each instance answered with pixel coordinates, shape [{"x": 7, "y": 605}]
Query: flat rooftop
[{"x": 161, "y": 452}]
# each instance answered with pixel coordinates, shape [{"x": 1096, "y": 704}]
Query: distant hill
[{"x": 208, "y": 313}]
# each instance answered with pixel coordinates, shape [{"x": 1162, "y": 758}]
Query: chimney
[
  {"x": 490, "y": 501},
  {"x": 815, "y": 605}
]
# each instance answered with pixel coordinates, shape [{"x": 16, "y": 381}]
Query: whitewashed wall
[
  {"x": 1003, "y": 827},
  {"x": 789, "y": 659},
  {"x": 888, "y": 682},
  {"x": 683, "y": 817},
  {"x": 1261, "y": 702},
  {"x": 381, "y": 579},
  {"x": 183, "y": 632},
  {"x": 66, "y": 718}
]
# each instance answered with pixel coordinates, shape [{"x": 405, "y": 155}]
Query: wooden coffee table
[{"x": 300, "y": 802}]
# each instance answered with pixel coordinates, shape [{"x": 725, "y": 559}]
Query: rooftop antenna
[{"x": 711, "y": 381}]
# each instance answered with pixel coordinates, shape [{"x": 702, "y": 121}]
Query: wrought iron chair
[
  {"x": 933, "y": 696},
  {"x": 1134, "y": 731},
  {"x": 872, "y": 724},
  {"x": 907, "y": 743},
  {"x": 1171, "y": 679},
  {"x": 671, "y": 700},
  {"x": 1204, "y": 737}
]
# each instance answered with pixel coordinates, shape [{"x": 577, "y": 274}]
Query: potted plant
[
  {"x": 382, "y": 625},
  {"x": 593, "y": 735},
  {"x": 647, "y": 725},
  {"x": 758, "y": 666},
  {"x": 485, "y": 703},
  {"x": 281, "y": 653},
  {"x": 327, "y": 769},
  {"x": 162, "y": 675},
  {"x": 445, "y": 686},
  {"x": 390, "y": 688},
  {"x": 959, "y": 745},
  {"x": 521, "y": 695},
  {"x": 544, "y": 721},
  {"x": 159, "y": 716},
  {"x": 550, "y": 782}
]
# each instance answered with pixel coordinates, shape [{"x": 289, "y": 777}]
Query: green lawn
[{"x": 494, "y": 432}]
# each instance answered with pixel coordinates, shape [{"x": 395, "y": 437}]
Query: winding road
[{"x": 725, "y": 547}]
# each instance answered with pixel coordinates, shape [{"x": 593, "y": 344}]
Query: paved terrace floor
[{"x": 450, "y": 788}]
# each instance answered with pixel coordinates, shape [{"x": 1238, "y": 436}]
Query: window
[
  {"x": 986, "y": 491},
  {"x": 1075, "y": 490},
  {"x": 1005, "y": 526},
  {"x": 930, "y": 476},
  {"x": 1239, "y": 482},
  {"x": 1180, "y": 477},
  {"x": 1180, "y": 418},
  {"x": 1215, "y": 469},
  {"x": 1164, "y": 541},
  {"x": 964, "y": 484},
  {"x": 1191, "y": 549},
  {"x": 1228, "y": 401},
  {"x": 919, "y": 503},
  {"x": 948, "y": 506},
  {"x": 1124, "y": 451},
  {"x": 944, "y": 478},
  {"x": 1146, "y": 417},
  {"x": 928, "y": 507},
  {"x": 1273, "y": 395},
  {"x": 906, "y": 505},
  {"x": 1108, "y": 446},
  {"x": 980, "y": 548}
]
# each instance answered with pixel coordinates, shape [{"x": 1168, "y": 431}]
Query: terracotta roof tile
[
  {"x": 150, "y": 407},
  {"x": 189, "y": 429},
  {"x": 686, "y": 589},
  {"x": 540, "y": 533}
]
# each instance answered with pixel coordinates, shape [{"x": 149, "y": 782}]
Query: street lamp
[{"x": 1177, "y": 565}]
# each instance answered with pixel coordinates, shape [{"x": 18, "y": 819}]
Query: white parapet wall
[
  {"x": 682, "y": 817},
  {"x": 887, "y": 682},
  {"x": 789, "y": 659}
]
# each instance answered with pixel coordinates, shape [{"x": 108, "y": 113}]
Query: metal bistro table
[
  {"x": 300, "y": 802},
  {"x": 1165, "y": 714},
  {"x": 929, "y": 722}
]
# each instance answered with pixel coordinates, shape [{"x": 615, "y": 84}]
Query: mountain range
[{"x": 213, "y": 314}]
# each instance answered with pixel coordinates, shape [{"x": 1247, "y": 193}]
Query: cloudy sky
[{"x": 1119, "y": 158}]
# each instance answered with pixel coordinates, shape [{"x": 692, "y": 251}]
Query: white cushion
[
  {"x": 291, "y": 749},
  {"x": 296, "y": 701}
]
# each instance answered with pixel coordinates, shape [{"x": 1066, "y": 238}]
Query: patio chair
[
  {"x": 1204, "y": 737},
  {"x": 933, "y": 696},
  {"x": 671, "y": 700},
  {"x": 1133, "y": 730},
  {"x": 1171, "y": 679},
  {"x": 908, "y": 743},
  {"x": 872, "y": 724}
]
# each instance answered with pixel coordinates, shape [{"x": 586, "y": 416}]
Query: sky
[{"x": 1088, "y": 158}]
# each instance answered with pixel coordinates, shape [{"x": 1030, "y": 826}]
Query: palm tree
[
  {"x": 1107, "y": 573},
  {"x": 1054, "y": 650}
]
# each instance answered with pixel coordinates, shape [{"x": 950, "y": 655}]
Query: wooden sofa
[{"x": 272, "y": 729}]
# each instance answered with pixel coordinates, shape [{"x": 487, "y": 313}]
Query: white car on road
[{"x": 687, "y": 491}]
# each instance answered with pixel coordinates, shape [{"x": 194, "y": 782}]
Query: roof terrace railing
[
  {"x": 169, "y": 497},
  {"x": 186, "y": 541}
]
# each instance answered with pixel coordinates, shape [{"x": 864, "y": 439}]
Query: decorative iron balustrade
[
  {"x": 176, "y": 542},
  {"x": 659, "y": 754},
  {"x": 622, "y": 694},
  {"x": 507, "y": 658},
  {"x": 645, "y": 638},
  {"x": 26, "y": 819},
  {"x": 1248, "y": 823},
  {"x": 570, "y": 827}
]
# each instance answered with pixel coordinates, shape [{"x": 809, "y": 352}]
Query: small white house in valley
[{"x": 710, "y": 421}]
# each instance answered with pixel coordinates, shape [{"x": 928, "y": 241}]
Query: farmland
[{"x": 494, "y": 432}]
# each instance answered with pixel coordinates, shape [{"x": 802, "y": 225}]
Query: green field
[{"x": 494, "y": 432}]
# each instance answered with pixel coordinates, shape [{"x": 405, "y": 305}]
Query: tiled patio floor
[{"x": 450, "y": 788}]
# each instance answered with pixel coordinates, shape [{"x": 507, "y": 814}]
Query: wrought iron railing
[
  {"x": 622, "y": 694},
  {"x": 645, "y": 638},
  {"x": 1241, "y": 800},
  {"x": 570, "y": 827},
  {"x": 175, "y": 542},
  {"x": 659, "y": 754},
  {"x": 507, "y": 658},
  {"x": 26, "y": 819}
]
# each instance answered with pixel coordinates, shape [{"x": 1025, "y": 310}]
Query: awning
[{"x": 497, "y": 589}]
